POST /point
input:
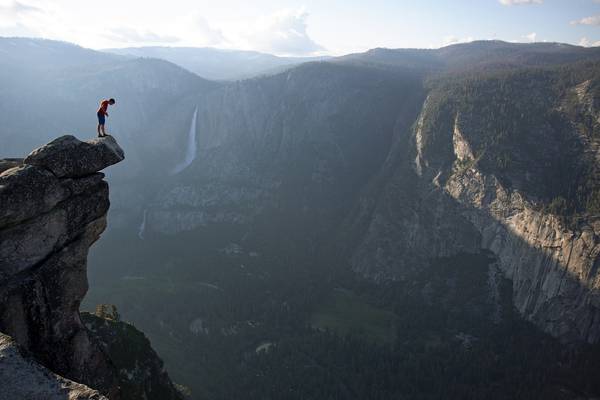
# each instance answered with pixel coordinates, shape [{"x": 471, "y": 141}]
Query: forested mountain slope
[{"x": 414, "y": 213}]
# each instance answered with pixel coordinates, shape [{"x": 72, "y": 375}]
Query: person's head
[{"x": 111, "y": 101}]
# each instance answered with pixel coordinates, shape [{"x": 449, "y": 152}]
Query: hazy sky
[{"x": 301, "y": 27}]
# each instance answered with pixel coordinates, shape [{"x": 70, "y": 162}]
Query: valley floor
[{"x": 249, "y": 324}]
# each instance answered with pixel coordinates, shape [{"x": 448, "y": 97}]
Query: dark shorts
[{"x": 101, "y": 118}]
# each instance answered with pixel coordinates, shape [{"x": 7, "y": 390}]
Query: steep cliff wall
[
  {"x": 505, "y": 162},
  {"x": 528, "y": 186},
  {"x": 53, "y": 207},
  {"x": 553, "y": 266},
  {"x": 554, "y": 269},
  {"x": 295, "y": 141}
]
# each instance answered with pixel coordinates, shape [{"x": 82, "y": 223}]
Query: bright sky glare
[{"x": 301, "y": 27}]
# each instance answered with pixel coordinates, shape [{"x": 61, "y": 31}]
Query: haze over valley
[{"x": 394, "y": 223}]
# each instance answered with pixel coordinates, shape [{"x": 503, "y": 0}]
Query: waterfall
[
  {"x": 190, "y": 153},
  {"x": 142, "y": 228}
]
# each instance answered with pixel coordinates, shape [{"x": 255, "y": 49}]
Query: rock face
[
  {"x": 69, "y": 157},
  {"x": 508, "y": 187},
  {"x": 47, "y": 225},
  {"x": 10, "y": 163},
  {"x": 498, "y": 175},
  {"x": 295, "y": 141},
  {"x": 554, "y": 269},
  {"x": 23, "y": 378},
  {"x": 53, "y": 208}
]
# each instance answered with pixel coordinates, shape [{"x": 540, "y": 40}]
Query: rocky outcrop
[
  {"x": 53, "y": 207},
  {"x": 22, "y": 377},
  {"x": 49, "y": 217},
  {"x": 69, "y": 157}
]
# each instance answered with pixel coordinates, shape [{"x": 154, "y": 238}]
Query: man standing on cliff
[{"x": 102, "y": 114}]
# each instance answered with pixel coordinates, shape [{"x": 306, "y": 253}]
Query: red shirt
[{"x": 103, "y": 107}]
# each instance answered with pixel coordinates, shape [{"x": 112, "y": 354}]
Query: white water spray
[
  {"x": 190, "y": 154},
  {"x": 142, "y": 228}
]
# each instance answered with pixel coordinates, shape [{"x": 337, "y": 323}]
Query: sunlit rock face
[
  {"x": 554, "y": 268},
  {"x": 516, "y": 176},
  {"x": 553, "y": 265}
]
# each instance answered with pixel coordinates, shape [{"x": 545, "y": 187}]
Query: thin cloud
[
  {"x": 531, "y": 37},
  {"x": 449, "y": 40},
  {"x": 19, "y": 19},
  {"x": 129, "y": 36},
  {"x": 520, "y": 2},
  {"x": 594, "y": 20},
  {"x": 284, "y": 33},
  {"x": 585, "y": 42},
  {"x": 203, "y": 33},
  {"x": 17, "y": 9}
]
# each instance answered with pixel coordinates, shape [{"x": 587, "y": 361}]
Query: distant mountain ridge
[
  {"x": 482, "y": 54},
  {"x": 218, "y": 64}
]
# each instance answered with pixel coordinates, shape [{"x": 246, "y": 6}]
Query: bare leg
[
  {"x": 98, "y": 129},
  {"x": 103, "y": 131}
]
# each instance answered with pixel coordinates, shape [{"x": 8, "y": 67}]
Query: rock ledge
[{"x": 68, "y": 157}]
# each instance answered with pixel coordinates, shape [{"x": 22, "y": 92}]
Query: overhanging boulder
[{"x": 69, "y": 157}]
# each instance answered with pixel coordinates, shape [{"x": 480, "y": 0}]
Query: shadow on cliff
[{"x": 419, "y": 208}]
